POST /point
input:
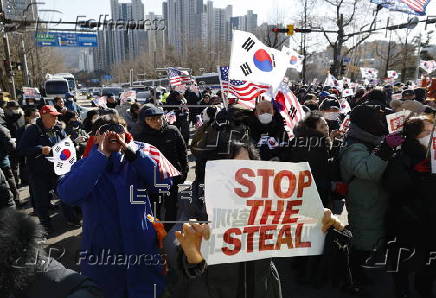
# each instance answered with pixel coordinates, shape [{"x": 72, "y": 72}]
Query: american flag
[
  {"x": 166, "y": 169},
  {"x": 242, "y": 90},
  {"x": 416, "y": 7},
  {"x": 289, "y": 108},
  {"x": 178, "y": 77}
]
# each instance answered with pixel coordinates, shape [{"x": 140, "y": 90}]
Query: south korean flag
[
  {"x": 254, "y": 62},
  {"x": 64, "y": 156}
]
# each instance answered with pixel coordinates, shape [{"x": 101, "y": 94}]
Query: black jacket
[
  {"x": 6, "y": 198},
  {"x": 34, "y": 138},
  {"x": 411, "y": 213},
  {"x": 6, "y": 146},
  {"x": 275, "y": 129},
  {"x": 312, "y": 146},
  {"x": 170, "y": 142},
  {"x": 252, "y": 279},
  {"x": 14, "y": 121}
]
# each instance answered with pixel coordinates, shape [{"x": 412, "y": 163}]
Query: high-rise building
[
  {"x": 20, "y": 10},
  {"x": 118, "y": 45},
  {"x": 86, "y": 60},
  {"x": 247, "y": 22}
]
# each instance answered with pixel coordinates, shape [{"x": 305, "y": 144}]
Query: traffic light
[
  {"x": 343, "y": 69},
  {"x": 290, "y": 30}
]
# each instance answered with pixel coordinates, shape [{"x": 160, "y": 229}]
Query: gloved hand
[
  {"x": 130, "y": 154},
  {"x": 394, "y": 140}
]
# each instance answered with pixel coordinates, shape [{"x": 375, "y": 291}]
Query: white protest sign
[
  {"x": 64, "y": 156},
  {"x": 126, "y": 95},
  {"x": 396, "y": 121},
  {"x": 261, "y": 209}
]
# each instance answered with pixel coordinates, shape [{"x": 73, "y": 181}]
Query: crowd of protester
[{"x": 383, "y": 180}]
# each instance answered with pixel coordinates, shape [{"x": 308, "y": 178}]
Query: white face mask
[
  {"x": 265, "y": 118},
  {"x": 331, "y": 115},
  {"x": 424, "y": 140}
]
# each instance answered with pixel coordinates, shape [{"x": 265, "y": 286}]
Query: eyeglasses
[{"x": 118, "y": 128}]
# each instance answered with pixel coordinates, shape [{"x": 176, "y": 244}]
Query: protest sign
[
  {"x": 64, "y": 156},
  {"x": 29, "y": 92},
  {"x": 396, "y": 121},
  {"x": 261, "y": 209},
  {"x": 124, "y": 97}
]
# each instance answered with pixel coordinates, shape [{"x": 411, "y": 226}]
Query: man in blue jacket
[{"x": 119, "y": 246}]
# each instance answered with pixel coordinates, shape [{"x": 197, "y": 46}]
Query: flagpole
[{"x": 223, "y": 96}]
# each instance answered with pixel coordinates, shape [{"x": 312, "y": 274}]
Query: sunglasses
[{"x": 117, "y": 128}]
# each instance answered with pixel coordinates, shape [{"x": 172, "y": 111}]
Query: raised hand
[{"x": 190, "y": 240}]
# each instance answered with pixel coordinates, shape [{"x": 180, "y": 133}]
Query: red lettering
[
  {"x": 250, "y": 232},
  {"x": 298, "y": 242},
  {"x": 302, "y": 182},
  {"x": 267, "y": 212},
  {"x": 291, "y": 211},
  {"x": 233, "y": 241},
  {"x": 251, "y": 187},
  {"x": 278, "y": 184},
  {"x": 265, "y": 174},
  {"x": 284, "y": 237},
  {"x": 266, "y": 236},
  {"x": 254, "y": 204}
]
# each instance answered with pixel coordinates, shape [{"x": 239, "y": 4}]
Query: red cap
[{"x": 49, "y": 110}]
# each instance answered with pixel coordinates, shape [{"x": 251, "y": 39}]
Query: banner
[
  {"x": 126, "y": 95},
  {"x": 29, "y": 92},
  {"x": 254, "y": 62},
  {"x": 428, "y": 66},
  {"x": 261, "y": 209},
  {"x": 369, "y": 73},
  {"x": 396, "y": 121},
  {"x": 64, "y": 156},
  {"x": 295, "y": 59}
]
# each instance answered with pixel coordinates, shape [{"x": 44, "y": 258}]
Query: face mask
[
  {"x": 424, "y": 140},
  {"x": 265, "y": 118},
  {"x": 331, "y": 115}
]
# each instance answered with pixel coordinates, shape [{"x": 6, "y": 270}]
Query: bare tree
[{"x": 343, "y": 24}]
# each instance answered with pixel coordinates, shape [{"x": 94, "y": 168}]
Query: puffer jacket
[{"x": 367, "y": 200}]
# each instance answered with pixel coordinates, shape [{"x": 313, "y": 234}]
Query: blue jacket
[{"x": 112, "y": 225}]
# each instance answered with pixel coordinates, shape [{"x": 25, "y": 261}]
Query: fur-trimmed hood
[{"x": 18, "y": 247}]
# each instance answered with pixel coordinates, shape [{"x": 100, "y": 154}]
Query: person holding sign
[
  {"x": 253, "y": 279},
  {"x": 363, "y": 160},
  {"x": 412, "y": 207}
]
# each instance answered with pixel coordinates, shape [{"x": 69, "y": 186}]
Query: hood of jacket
[{"x": 355, "y": 132}]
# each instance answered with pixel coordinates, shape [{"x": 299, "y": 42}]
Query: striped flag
[
  {"x": 289, "y": 108},
  {"x": 244, "y": 91},
  {"x": 178, "y": 77},
  {"x": 166, "y": 169},
  {"x": 416, "y": 7}
]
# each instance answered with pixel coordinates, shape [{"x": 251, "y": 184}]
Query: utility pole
[
  {"x": 26, "y": 76},
  {"x": 7, "y": 50},
  {"x": 389, "y": 54}
]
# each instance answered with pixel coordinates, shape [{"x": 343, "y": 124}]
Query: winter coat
[
  {"x": 73, "y": 107},
  {"x": 6, "y": 147},
  {"x": 105, "y": 189},
  {"x": 312, "y": 146},
  {"x": 74, "y": 133},
  {"x": 14, "y": 121},
  {"x": 6, "y": 197},
  {"x": 275, "y": 129},
  {"x": 170, "y": 142},
  {"x": 35, "y": 274},
  {"x": 366, "y": 201},
  {"x": 236, "y": 280},
  {"x": 34, "y": 138},
  {"x": 412, "y": 206}
]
